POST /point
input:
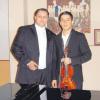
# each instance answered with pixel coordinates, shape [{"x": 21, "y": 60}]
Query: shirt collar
[
  {"x": 38, "y": 27},
  {"x": 67, "y": 33}
]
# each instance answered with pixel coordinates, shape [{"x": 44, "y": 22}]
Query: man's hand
[
  {"x": 54, "y": 83},
  {"x": 66, "y": 60},
  {"x": 32, "y": 65}
]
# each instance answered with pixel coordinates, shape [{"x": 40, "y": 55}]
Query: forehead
[
  {"x": 66, "y": 16},
  {"x": 41, "y": 12}
]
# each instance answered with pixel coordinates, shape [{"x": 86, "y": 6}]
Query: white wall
[
  {"x": 4, "y": 39},
  {"x": 16, "y": 19},
  {"x": 91, "y": 70}
]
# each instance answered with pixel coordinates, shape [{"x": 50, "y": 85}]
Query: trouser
[{"x": 79, "y": 85}]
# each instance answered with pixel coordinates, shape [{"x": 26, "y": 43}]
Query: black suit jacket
[
  {"x": 78, "y": 51},
  {"x": 25, "y": 48}
]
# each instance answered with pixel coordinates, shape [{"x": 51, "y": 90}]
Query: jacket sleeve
[
  {"x": 17, "y": 48},
  {"x": 85, "y": 52}
]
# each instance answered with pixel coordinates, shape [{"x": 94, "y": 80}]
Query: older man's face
[{"x": 41, "y": 18}]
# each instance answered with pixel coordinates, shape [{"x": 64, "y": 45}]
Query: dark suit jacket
[
  {"x": 25, "y": 48},
  {"x": 78, "y": 51}
]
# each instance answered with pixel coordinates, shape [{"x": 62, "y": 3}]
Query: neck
[
  {"x": 65, "y": 32},
  {"x": 39, "y": 26}
]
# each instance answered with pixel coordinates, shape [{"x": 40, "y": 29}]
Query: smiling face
[
  {"x": 66, "y": 22},
  {"x": 41, "y": 18}
]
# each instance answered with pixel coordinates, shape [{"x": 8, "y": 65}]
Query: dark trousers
[{"x": 79, "y": 85}]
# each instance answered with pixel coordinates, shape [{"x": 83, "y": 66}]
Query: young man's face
[
  {"x": 66, "y": 22},
  {"x": 41, "y": 18}
]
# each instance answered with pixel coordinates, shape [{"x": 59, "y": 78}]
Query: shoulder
[
  {"x": 24, "y": 30},
  {"x": 50, "y": 33},
  {"x": 78, "y": 34},
  {"x": 26, "y": 27}
]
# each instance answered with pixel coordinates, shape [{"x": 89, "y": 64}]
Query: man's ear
[{"x": 34, "y": 18}]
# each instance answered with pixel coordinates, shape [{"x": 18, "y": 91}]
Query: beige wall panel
[{"x": 4, "y": 72}]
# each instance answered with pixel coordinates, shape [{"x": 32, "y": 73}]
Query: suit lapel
[
  {"x": 48, "y": 46},
  {"x": 70, "y": 43},
  {"x": 71, "y": 38},
  {"x": 35, "y": 35},
  {"x": 48, "y": 35},
  {"x": 36, "y": 44},
  {"x": 60, "y": 44}
]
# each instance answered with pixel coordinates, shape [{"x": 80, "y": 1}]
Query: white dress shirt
[
  {"x": 65, "y": 38},
  {"x": 42, "y": 41}
]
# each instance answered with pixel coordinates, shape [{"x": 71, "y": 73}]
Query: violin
[{"x": 66, "y": 74}]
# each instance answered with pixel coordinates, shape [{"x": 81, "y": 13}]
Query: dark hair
[
  {"x": 65, "y": 13},
  {"x": 41, "y": 9}
]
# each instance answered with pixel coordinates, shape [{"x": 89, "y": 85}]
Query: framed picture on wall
[
  {"x": 97, "y": 37},
  {"x": 79, "y": 8}
]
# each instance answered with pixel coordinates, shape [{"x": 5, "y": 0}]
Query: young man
[
  {"x": 34, "y": 48},
  {"x": 78, "y": 49}
]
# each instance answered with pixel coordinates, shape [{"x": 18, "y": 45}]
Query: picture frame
[
  {"x": 80, "y": 9},
  {"x": 97, "y": 37}
]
